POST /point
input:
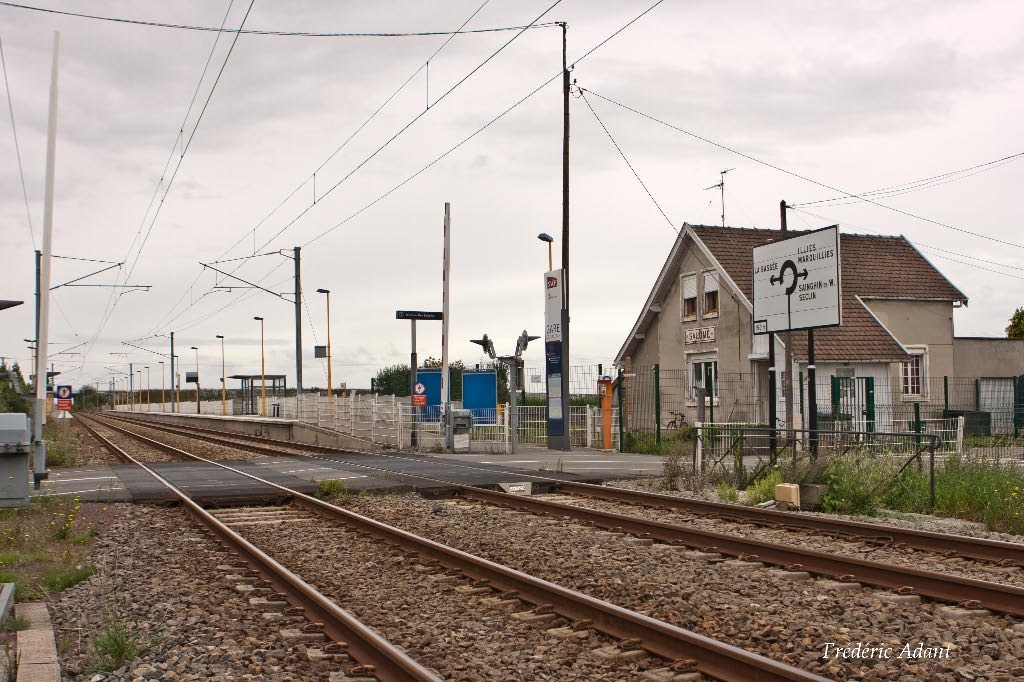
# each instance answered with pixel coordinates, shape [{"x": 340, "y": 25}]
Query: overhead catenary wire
[
  {"x": 252, "y": 231},
  {"x": 430, "y": 164},
  {"x": 112, "y": 306},
  {"x": 17, "y": 147},
  {"x": 482, "y": 128},
  {"x": 921, "y": 184},
  {"x": 631, "y": 168},
  {"x": 799, "y": 176},
  {"x": 261, "y": 32}
]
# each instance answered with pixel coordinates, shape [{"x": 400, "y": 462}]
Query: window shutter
[
  {"x": 689, "y": 286},
  {"x": 710, "y": 281}
]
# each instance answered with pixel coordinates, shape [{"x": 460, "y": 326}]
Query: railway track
[
  {"x": 966, "y": 591},
  {"x": 683, "y": 649},
  {"x": 981, "y": 549}
]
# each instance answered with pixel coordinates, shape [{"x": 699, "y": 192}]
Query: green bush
[
  {"x": 856, "y": 485},
  {"x": 763, "y": 489},
  {"x": 975, "y": 489},
  {"x": 727, "y": 491},
  {"x": 332, "y": 489}
]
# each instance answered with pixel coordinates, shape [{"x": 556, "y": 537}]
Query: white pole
[
  {"x": 44, "y": 270},
  {"x": 445, "y": 276}
]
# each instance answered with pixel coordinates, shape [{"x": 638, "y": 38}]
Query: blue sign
[
  {"x": 480, "y": 395},
  {"x": 431, "y": 380},
  {"x": 553, "y": 366}
]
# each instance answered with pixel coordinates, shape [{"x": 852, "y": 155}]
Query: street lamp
[
  {"x": 329, "y": 381},
  {"x": 163, "y": 384},
  {"x": 196, "y": 349},
  {"x": 147, "y": 387},
  {"x": 263, "y": 370},
  {"x": 140, "y": 389},
  {"x": 545, "y": 237},
  {"x": 223, "y": 383}
]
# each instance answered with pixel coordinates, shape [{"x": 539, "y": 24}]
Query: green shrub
[
  {"x": 856, "y": 485},
  {"x": 332, "y": 489},
  {"x": 113, "y": 646},
  {"x": 763, "y": 489},
  {"x": 671, "y": 470},
  {"x": 727, "y": 491}
]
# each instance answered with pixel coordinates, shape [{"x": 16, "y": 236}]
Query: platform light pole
[
  {"x": 223, "y": 380},
  {"x": 263, "y": 371},
  {"x": 163, "y": 385},
  {"x": 548, "y": 239},
  {"x": 148, "y": 384},
  {"x": 329, "y": 378}
]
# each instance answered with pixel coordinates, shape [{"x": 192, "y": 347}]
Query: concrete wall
[
  {"x": 981, "y": 357},
  {"x": 921, "y": 323}
]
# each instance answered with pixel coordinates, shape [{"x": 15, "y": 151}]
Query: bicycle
[{"x": 678, "y": 421}]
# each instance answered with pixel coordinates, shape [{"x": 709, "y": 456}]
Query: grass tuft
[
  {"x": 727, "y": 491},
  {"x": 114, "y": 645}
]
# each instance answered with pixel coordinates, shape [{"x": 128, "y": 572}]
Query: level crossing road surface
[{"x": 359, "y": 471}]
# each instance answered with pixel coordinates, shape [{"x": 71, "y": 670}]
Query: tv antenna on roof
[{"x": 721, "y": 186}]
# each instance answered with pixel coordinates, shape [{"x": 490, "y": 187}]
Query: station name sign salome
[
  {"x": 418, "y": 315},
  {"x": 796, "y": 282},
  {"x": 700, "y": 335}
]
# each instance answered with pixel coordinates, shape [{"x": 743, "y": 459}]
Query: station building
[{"x": 896, "y": 345}]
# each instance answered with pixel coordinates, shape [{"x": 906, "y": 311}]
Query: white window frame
[
  {"x": 682, "y": 297},
  {"x": 703, "y": 294},
  {"x": 922, "y": 393},
  {"x": 701, "y": 359}
]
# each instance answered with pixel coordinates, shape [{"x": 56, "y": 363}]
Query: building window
[
  {"x": 912, "y": 371},
  {"x": 711, "y": 294},
  {"x": 689, "y": 286},
  {"x": 700, "y": 372}
]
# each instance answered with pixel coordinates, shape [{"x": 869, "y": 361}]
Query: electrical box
[
  {"x": 15, "y": 434},
  {"x": 462, "y": 430}
]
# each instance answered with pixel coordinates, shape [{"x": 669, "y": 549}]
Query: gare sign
[{"x": 700, "y": 335}]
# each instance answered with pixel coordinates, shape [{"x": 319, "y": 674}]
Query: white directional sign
[{"x": 796, "y": 283}]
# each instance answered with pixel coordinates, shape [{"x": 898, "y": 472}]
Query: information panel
[
  {"x": 796, "y": 282},
  {"x": 553, "y": 304}
]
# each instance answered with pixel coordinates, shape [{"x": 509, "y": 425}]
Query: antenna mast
[{"x": 721, "y": 186}]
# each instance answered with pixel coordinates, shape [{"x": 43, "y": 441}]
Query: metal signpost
[
  {"x": 557, "y": 381},
  {"x": 513, "y": 362},
  {"x": 419, "y": 399},
  {"x": 797, "y": 286}
]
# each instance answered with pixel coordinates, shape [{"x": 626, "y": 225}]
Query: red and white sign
[
  {"x": 419, "y": 401},
  {"x": 64, "y": 404}
]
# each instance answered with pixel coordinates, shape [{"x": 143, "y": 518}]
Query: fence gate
[{"x": 853, "y": 404}]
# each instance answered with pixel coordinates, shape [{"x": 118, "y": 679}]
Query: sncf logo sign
[{"x": 552, "y": 282}]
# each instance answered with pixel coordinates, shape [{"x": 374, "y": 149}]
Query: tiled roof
[{"x": 872, "y": 267}]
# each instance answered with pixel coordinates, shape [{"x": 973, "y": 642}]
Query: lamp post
[
  {"x": 163, "y": 385},
  {"x": 329, "y": 378},
  {"x": 147, "y": 387},
  {"x": 548, "y": 239},
  {"x": 196, "y": 349},
  {"x": 263, "y": 371},
  {"x": 223, "y": 383},
  {"x": 140, "y": 389}
]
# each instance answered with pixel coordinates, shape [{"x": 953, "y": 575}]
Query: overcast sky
[{"x": 858, "y": 95}]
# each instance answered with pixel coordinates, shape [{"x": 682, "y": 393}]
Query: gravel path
[
  {"x": 89, "y": 451},
  {"x": 786, "y": 619},
  {"x": 460, "y": 636},
  {"x": 796, "y": 537},
  {"x": 162, "y": 584}
]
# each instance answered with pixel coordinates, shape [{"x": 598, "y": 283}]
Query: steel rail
[
  {"x": 941, "y": 586},
  {"x": 365, "y": 645},
  {"x": 949, "y": 544},
  {"x": 714, "y": 658}
]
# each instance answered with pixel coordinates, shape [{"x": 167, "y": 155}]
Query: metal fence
[{"x": 655, "y": 403}]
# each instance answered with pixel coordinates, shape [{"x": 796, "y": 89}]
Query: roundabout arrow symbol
[{"x": 781, "y": 277}]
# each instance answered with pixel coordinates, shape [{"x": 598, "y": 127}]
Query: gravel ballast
[
  {"x": 157, "y": 576},
  {"x": 786, "y": 619}
]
